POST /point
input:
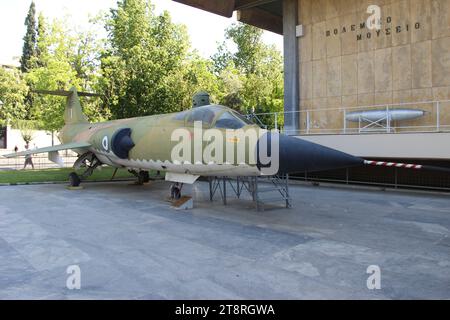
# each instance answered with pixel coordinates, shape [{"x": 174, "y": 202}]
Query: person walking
[{"x": 28, "y": 159}]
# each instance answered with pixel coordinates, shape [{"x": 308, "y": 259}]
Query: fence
[
  {"x": 40, "y": 161},
  {"x": 428, "y": 116}
]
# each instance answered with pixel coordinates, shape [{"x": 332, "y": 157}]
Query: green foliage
[
  {"x": 29, "y": 44},
  {"x": 59, "y": 175},
  {"x": 13, "y": 90},
  {"x": 27, "y": 124},
  {"x": 250, "y": 48},
  {"x": 145, "y": 62},
  {"x": 26, "y": 130},
  {"x": 143, "y": 67},
  {"x": 27, "y": 135},
  {"x": 198, "y": 76},
  {"x": 252, "y": 77},
  {"x": 222, "y": 58},
  {"x": 56, "y": 73},
  {"x": 41, "y": 46},
  {"x": 66, "y": 59}
]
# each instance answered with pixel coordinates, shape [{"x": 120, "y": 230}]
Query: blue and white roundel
[{"x": 105, "y": 143}]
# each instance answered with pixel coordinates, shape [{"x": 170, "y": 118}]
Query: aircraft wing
[{"x": 67, "y": 146}]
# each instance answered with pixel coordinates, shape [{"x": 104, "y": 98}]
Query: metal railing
[
  {"x": 436, "y": 118},
  {"x": 389, "y": 179},
  {"x": 40, "y": 161}
]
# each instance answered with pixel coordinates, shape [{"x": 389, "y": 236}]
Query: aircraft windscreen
[
  {"x": 180, "y": 116},
  {"x": 242, "y": 118},
  {"x": 231, "y": 120},
  {"x": 203, "y": 114},
  {"x": 206, "y": 114}
]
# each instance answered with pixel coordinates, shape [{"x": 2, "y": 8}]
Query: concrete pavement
[{"x": 129, "y": 244}]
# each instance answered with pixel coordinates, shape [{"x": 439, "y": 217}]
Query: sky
[{"x": 205, "y": 29}]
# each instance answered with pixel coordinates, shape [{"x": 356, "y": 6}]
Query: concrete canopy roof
[{"x": 264, "y": 14}]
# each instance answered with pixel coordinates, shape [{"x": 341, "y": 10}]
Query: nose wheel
[
  {"x": 91, "y": 165},
  {"x": 142, "y": 176},
  {"x": 175, "y": 191},
  {"x": 74, "y": 180}
]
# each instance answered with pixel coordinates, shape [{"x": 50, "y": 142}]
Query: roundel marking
[{"x": 105, "y": 143}]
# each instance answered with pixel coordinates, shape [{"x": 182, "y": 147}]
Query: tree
[
  {"x": 252, "y": 76},
  {"x": 250, "y": 48},
  {"x": 26, "y": 132},
  {"x": 29, "y": 45},
  {"x": 68, "y": 59},
  {"x": 144, "y": 66},
  {"x": 197, "y": 75},
  {"x": 231, "y": 82},
  {"x": 13, "y": 90},
  {"x": 41, "y": 46},
  {"x": 222, "y": 58}
]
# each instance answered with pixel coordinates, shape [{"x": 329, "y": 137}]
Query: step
[
  {"x": 280, "y": 198},
  {"x": 272, "y": 200}
]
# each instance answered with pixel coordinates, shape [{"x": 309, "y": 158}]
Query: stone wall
[{"x": 344, "y": 64}]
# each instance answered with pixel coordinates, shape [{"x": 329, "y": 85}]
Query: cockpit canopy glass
[
  {"x": 181, "y": 115},
  {"x": 203, "y": 114},
  {"x": 231, "y": 120},
  {"x": 226, "y": 118}
]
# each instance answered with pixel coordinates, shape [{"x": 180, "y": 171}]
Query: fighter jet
[{"x": 156, "y": 143}]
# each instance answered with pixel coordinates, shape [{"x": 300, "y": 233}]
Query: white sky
[{"x": 205, "y": 29}]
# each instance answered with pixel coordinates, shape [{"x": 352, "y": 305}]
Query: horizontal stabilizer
[
  {"x": 63, "y": 93},
  {"x": 67, "y": 146}
]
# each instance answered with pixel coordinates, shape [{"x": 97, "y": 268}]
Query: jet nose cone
[{"x": 297, "y": 155}]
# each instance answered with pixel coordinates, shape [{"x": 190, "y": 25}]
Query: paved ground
[{"x": 130, "y": 244}]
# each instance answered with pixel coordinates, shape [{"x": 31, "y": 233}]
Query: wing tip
[{"x": 61, "y": 147}]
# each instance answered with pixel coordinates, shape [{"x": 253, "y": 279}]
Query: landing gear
[
  {"x": 142, "y": 176},
  {"x": 175, "y": 191},
  {"x": 90, "y": 162},
  {"x": 74, "y": 180}
]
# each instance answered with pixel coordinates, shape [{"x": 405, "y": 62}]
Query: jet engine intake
[{"x": 121, "y": 143}]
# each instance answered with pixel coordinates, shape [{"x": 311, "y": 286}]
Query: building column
[{"x": 291, "y": 67}]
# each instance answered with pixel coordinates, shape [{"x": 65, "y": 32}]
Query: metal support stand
[
  {"x": 279, "y": 185},
  {"x": 287, "y": 197},
  {"x": 384, "y": 124},
  {"x": 224, "y": 191}
]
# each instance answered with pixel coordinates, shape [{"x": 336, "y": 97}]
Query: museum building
[{"x": 367, "y": 77}]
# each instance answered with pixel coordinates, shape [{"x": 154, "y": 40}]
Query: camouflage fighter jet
[{"x": 148, "y": 143}]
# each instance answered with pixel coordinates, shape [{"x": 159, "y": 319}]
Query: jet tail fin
[{"x": 73, "y": 113}]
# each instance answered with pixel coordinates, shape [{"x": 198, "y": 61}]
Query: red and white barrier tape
[{"x": 393, "y": 164}]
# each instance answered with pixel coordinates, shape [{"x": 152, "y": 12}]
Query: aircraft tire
[
  {"x": 74, "y": 180},
  {"x": 143, "y": 177},
  {"x": 176, "y": 192}
]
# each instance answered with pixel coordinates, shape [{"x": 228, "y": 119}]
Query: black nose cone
[{"x": 297, "y": 155}]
